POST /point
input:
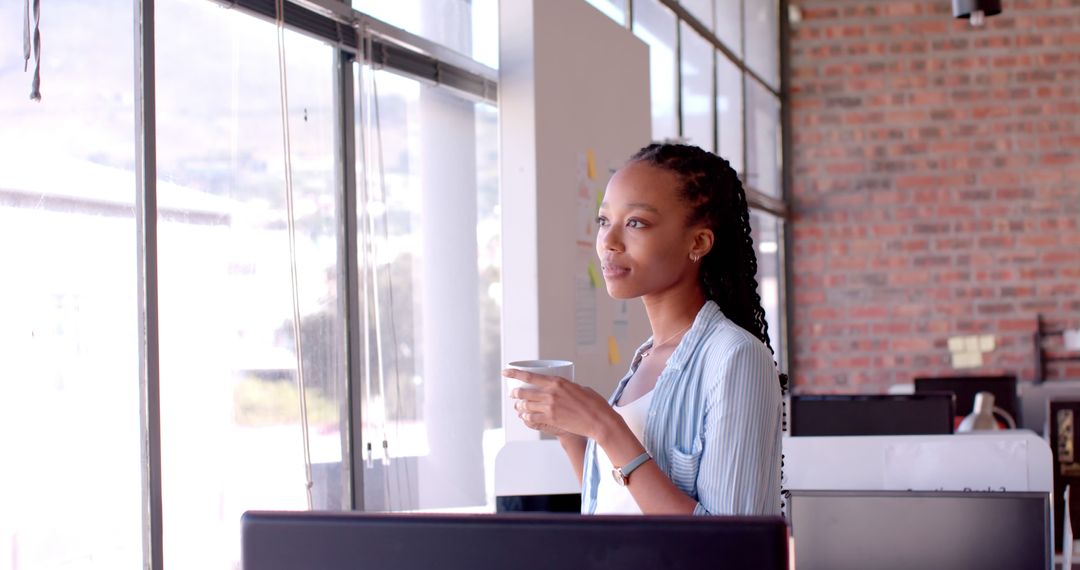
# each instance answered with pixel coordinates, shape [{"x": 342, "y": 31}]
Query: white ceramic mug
[{"x": 562, "y": 368}]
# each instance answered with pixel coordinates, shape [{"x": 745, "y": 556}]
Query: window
[
  {"x": 763, "y": 139},
  {"x": 232, "y": 437},
  {"x": 701, "y": 10},
  {"x": 729, "y": 24},
  {"x": 729, "y": 112},
  {"x": 767, "y": 232},
  {"x": 469, "y": 27},
  {"x": 697, "y": 89},
  {"x": 762, "y": 21},
  {"x": 656, "y": 26},
  {"x": 69, "y": 407},
  {"x": 424, "y": 426}
]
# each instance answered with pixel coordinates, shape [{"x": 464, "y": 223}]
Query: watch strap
[{"x": 636, "y": 462}]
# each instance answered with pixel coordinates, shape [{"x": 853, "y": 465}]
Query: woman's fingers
[
  {"x": 531, "y": 394},
  {"x": 537, "y": 380},
  {"x": 552, "y": 404},
  {"x": 525, "y": 406}
]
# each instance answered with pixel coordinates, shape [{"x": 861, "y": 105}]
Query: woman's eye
[
  {"x": 601, "y": 221},
  {"x": 633, "y": 223}
]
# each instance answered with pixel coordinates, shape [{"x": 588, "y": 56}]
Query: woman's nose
[{"x": 609, "y": 239}]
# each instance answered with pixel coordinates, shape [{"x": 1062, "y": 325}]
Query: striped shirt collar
[{"x": 708, "y": 315}]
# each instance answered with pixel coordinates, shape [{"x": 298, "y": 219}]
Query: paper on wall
[{"x": 1072, "y": 339}]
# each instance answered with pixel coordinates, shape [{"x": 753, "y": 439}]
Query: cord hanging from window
[
  {"x": 283, "y": 81},
  {"x": 32, "y": 40},
  {"x": 369, "y": 248},
  {"x": 372, "y": 187}
]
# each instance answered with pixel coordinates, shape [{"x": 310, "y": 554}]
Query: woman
[{"x": 694, "y": 427}]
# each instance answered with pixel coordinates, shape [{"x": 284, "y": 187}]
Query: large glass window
[
  {"x": 767, "y": 232},
  {"x": 729, "y": 24},
  {"x": 697, "y": 89},
  {"x": 470, "y": 27},
  {"x": 762, "y": 20},
  {"x": 701, "y": 10},
  {"x": 70, "y": 488},
  {"x": 763, "y": 139},
  {"x": 657, "y": 26},
  {"x": 729, "y": 112},
  {"x": 232, "y": 433},
  {"x": 430, "y": 394}
]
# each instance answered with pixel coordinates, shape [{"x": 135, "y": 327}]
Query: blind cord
[{"x": 283, "y": 80}]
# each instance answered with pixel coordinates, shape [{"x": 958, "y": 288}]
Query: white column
[{"x": 452, "y": 473}]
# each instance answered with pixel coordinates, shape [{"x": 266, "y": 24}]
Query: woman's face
[{"x": 643, "y": 241}]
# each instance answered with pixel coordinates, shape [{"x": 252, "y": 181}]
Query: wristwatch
[{"x": 622, "y": 474}]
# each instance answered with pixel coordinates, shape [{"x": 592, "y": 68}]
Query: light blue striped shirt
[{"x": 714, "y": 421}]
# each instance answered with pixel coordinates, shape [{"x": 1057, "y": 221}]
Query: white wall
[{"x": 571, "y": 81}]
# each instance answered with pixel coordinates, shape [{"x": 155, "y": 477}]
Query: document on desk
[{"x": 973, "y": 465}]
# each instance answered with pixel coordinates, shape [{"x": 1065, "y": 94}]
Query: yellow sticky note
[
  {"x": 590, "y": 161},
  {"x": 594, "y": 275},
  {"x": 612, "y": 350},
  {"x": 599, "y": 199}
]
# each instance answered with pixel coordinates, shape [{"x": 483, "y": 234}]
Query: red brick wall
[{"x": 936, "y": 187}]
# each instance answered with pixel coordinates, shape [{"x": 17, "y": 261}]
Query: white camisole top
[{"x": 612, "y": 498}]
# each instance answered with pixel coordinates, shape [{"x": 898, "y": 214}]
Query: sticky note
[
  {"x": 986, "y": 343},
  {"x": 956, "y": 344},
  {"x": 599, "y": 199},
  {"x": 967, "y": 359},
  {"x": 590, "y": 161},
  {"x": 594, "y": 275},
  {"x": 612, "y": 350}
]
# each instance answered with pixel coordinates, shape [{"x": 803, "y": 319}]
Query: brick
[{"x": 937, "y": 171}]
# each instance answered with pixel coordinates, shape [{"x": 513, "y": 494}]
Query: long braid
[{"x": 729, "y": 271}]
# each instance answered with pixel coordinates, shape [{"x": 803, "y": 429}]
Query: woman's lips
[{"x": 612, "y": 271}]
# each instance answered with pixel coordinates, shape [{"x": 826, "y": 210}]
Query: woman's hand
[{"x": 560, "y": 407}]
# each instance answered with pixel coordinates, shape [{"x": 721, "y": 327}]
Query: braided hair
[
  {"x": 717, "y": 199},
  {"x": 729, "y": 270}
]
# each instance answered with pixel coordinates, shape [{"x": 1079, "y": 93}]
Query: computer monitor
[
  {"x": 1035, "y": 399},
  {"x": 965, "y": 387},
  {"x": 360, "y": 541},
  {"x": 920, "y": 529},
  {"x": 892, "y": 414}
]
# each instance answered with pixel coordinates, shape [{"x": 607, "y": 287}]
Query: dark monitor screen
[
  {"x": 361, "y": 541},
  {"x": 908, "y": 414},
  {"x": 920, "y": 529},
  {"x": 965, "y": 387}
]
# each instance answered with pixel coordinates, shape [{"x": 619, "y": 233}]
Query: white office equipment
[
  {"x": 1009, "y": 460},
  {"x": 534, "y": 468}
]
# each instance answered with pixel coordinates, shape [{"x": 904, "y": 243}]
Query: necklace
[{"x": 655, "y": 346}]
